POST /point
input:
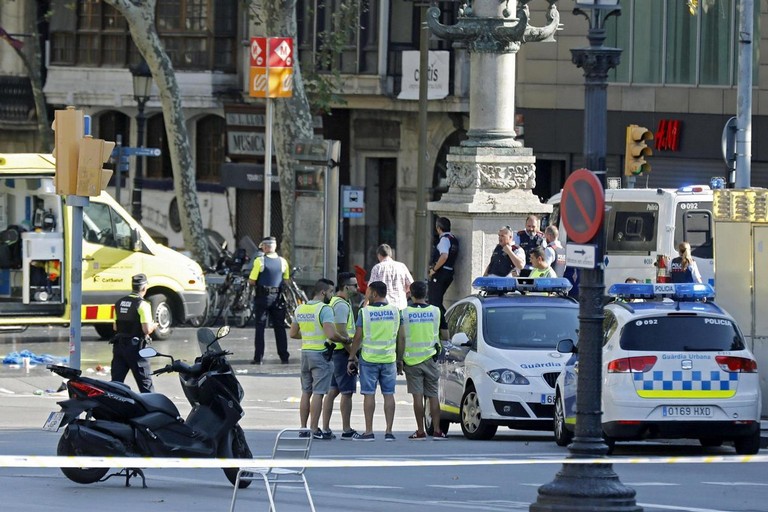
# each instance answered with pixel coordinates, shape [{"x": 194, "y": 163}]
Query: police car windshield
[
  {"x": 529, "y": 327},
  {"x": 681, "y": 334}
]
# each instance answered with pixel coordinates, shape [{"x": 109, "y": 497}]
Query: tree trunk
[
  {"x": 293, "y": 115},
  {"x": 140, "y": 15}
]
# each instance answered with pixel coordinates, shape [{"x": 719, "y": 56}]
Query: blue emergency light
[
  {"x": 678, "y": 291},
  {"x": 522, "y": 284}
]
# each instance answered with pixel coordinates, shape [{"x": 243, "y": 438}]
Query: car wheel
[
  {"x": 710, "y": 442},
  {"x": 747, "y": 445},
  {"x": 163, "y": 315},
  {"x": 472, "y": 423},
  {"x": 105, "y": 331},
  {"x": 429, "y": 427},
  {"x": 563, "y": 436}
]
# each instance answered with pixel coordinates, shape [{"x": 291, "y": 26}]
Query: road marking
[
  {"x": 351, "y": 486},
  {"x": 463, "y": 486},
  {"x": 729, "y": 484},
  {"x": 649, "y": 484},
  {"x": 683, "y": 509}
]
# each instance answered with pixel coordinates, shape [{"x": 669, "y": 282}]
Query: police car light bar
[
  {"x": 527, "y": 284},
  {"x": 680, "y": 291}
]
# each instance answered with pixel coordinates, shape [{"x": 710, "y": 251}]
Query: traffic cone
[{"x": 662, "y": 275}]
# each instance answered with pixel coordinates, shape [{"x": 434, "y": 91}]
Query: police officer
[
  {"x": 555, "y": 251},
  {"x": 376, "y": 337},
  {"x": 133, "y": 324},
  {"x": 443, "y": 260},
  {"x": 314, "y": 325},
  {"x": 418, "y": 343},
  {"x": 268, "y": 273},
  {"x": 530, "y": 237}
]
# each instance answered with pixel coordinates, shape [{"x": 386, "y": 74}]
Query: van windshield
[
  {"x": 681, "y": 334},
  {"x": 632, "y": 227}
]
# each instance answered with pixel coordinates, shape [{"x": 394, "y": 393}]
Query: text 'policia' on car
[{"x": 675, "y": 365}]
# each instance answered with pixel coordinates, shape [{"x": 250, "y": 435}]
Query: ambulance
[
  {"x": 35, "y": 257},
  {"x": 643, "y": 225}
]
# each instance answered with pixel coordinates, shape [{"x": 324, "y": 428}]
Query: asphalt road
[{"x": 271, "y": 403}]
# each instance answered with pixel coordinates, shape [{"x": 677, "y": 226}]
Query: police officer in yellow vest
[
  {"x": 418, "y": 344},
  {"x": 313, "y": 325},
  {"x": 376, "y": 338},
  {"x": 342, "y": 383}
]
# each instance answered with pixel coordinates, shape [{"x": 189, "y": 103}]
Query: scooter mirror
[
  {"x": 223, "y": 331},
  {"x": 147, "y": 352}
]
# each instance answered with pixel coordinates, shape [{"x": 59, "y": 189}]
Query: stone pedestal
[{"x": 489, "y": 188}]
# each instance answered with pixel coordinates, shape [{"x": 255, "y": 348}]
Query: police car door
[{"x": 452, "y": 363}]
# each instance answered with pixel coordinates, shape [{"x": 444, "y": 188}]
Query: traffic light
[
  {"x": 91, "y": 178},
  {"x": 637, "y": 150},
  {"x": 68, "y": 126}
]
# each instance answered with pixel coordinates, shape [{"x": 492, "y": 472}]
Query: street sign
[
  {"x": 352, "y": 202},
  {"x": 581, "y": 256},
  {"x": 128, "y": 151},
  {"x": 582, "y": 206}
]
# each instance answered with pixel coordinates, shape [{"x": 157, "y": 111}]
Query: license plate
[
  {"x": 548, "y": 399},
  {"x": 54, "y": 420},
  {"x": 686, "y": 411}
]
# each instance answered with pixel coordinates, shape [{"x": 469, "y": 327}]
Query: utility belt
[
  {"x": 126, "y": 339},
  {"x": 263, "y": 291}
]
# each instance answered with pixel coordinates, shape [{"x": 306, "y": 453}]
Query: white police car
[
  {"x": 501, "y": 363},
  {"x": 674, "y": 368}
]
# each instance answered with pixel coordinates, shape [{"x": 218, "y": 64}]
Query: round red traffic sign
[{"x": 582, "y": 206}]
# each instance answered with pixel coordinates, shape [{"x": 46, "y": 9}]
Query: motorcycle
[{"x": 119, "y": 422}]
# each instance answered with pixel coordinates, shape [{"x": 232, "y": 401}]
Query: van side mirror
[
  {"x": 567, "y": 347},
  {"x": 461, "y": 339},
  {"x": 136, "y": 240}
]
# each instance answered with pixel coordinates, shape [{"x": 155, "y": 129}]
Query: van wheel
[
  {"x": 747, "y": 445},
  {"x": 163, "y": 315},
  {"x": 105, "y": 331}
]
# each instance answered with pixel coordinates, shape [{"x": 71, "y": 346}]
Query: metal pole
[
  {"x": 594, "y": 487},
  {"x": 118, "y": 167},
  {"x": 76, "y": 282},
  {"x": 422, "y": 236},
  {"x": 138, "y": 177},
  {"x": 744, "y": 97},
  {"x": 268, "y": 172}
]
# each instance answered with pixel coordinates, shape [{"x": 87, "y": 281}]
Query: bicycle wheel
[
  {"x": 292, "y": 301},
  {"x": 213, "y": 303}
]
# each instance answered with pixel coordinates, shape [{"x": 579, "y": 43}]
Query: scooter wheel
[
  {"x": 240, "y": 450},
  {"x": 78, "y": 475}
]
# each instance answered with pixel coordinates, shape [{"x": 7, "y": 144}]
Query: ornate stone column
[{"x": 490, "y": 175}]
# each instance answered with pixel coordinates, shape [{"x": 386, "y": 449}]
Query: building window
[
  {"x": 158, "y": 167},
  {"x": 317, "y": 20},
  {"x": 210, "y": 146},
  {"x": 664, "y": 44},
  {"x": 197, "y": 34}
]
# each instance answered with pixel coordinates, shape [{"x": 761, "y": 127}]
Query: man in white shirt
[{"x": 394, "y": 274}]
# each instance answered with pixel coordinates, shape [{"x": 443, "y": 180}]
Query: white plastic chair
[{"x": 291, "y": 443}]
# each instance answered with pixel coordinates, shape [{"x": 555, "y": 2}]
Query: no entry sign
[{"x": 582, "y": 206}]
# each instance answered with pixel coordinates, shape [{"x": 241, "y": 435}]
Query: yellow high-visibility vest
[
  {"x": 422, "y": 331},
  {"x": 380, "y": 326},
  {"x": 350, "y": 319},
  {"x": 312, "y": 333}
]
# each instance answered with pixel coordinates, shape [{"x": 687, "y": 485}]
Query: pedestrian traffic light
[
  {"x": 91, "y": 178},
  {"x": 637, "y": 150},
  {"x": 68, "y": 128}
]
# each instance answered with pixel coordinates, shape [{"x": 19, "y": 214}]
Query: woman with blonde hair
[{"x": 683, "y": 269}]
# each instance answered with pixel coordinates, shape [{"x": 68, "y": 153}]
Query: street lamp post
[
  {"x": 142, "y": 87},
  {"x": 593, "y": 487}
]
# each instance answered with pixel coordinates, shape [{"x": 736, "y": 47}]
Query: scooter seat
[{"x": 157, "y": 402}]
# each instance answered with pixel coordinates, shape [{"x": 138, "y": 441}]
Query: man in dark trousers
[
  {"x": 269, "y": 272},
  {"x": 443, "y": 260},
  {"x": 133, "y": 324}
]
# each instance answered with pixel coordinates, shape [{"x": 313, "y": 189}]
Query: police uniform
[
  {"x": 268, "y": 272},
  {"x": 316, "y": 370},
  {"x": 342, "y": 380},
  {"x": 130, "y": 312},
  {"x": 679, "y": 275},
  {"x": 558, "y": 263},
  {"x": 380, "y": 323},
  {"x": 500, "y": 264},
  {"x": 443, "y": 276},
  {"x": 529, "y": 242},
  {"x": 421, "y": 324}
]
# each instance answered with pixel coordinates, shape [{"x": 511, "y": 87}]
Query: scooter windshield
[{"x": 207, "y": 341}]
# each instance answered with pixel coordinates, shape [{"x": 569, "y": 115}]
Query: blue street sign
[{"x": 128, "y": 151}]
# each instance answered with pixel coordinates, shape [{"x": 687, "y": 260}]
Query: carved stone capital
[
  {"x": 475, "y": 175},
  {"x": 596, "y": 61}
]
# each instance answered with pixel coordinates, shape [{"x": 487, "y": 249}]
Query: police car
[
  {"x": 501, "y": 363},
  {"x": 674, "y": 366}
]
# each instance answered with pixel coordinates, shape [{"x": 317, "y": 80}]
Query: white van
[
  {"x": 642, "y": 223},
  {"x": 36, "y": 244}
]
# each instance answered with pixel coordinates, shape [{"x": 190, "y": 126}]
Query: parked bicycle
[
  {"x": 229, "y": 293},
  {"x": 292, "y": 296}
]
